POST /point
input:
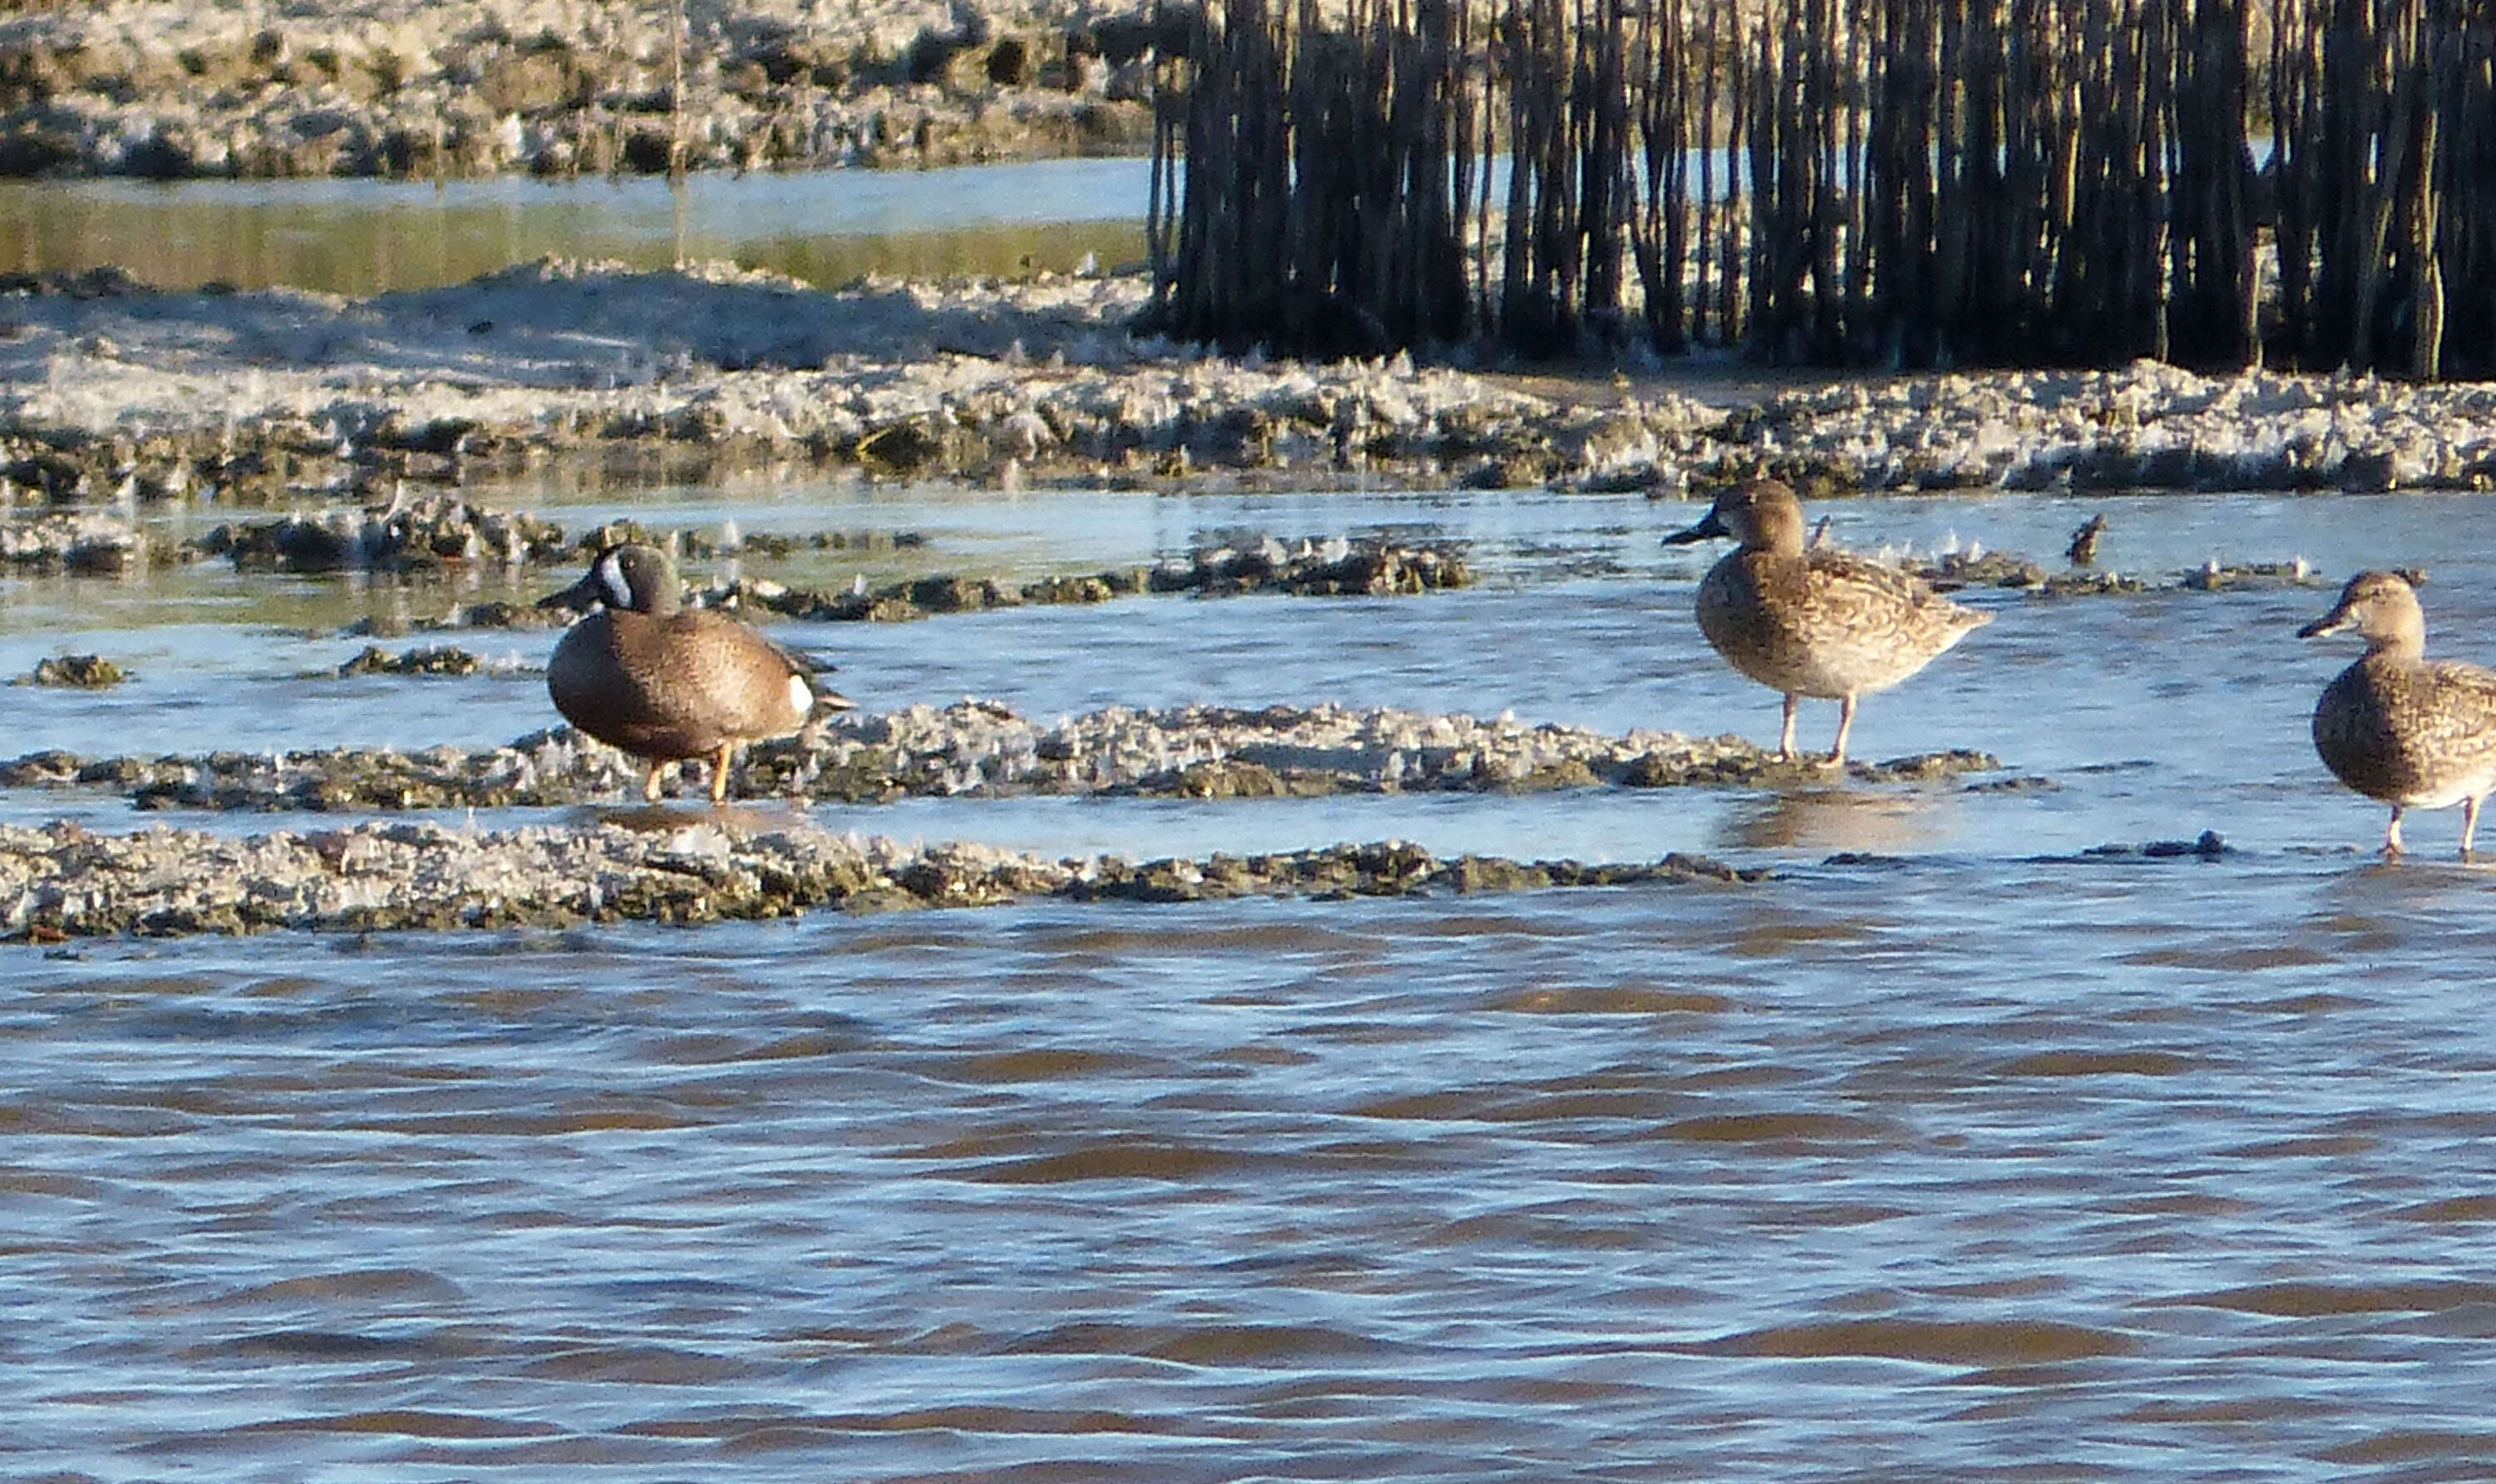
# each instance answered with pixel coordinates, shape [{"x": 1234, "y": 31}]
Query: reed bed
[{"x": 1909, "y": 183}]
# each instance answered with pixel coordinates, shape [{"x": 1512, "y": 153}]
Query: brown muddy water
[{"x": 1962, "y": 1148}]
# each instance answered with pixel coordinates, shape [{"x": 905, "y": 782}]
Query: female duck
[
  {"x": 663, "y": 682},
  {"x": 2397, "y": 726},
  {"x": 1819, "y": 622}
]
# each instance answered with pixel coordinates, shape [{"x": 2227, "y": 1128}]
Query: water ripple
[{"x": 1983, "y": 1158}]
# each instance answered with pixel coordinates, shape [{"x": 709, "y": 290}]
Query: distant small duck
[
  {"x": 2397, "y": 726},
  {"x": 2084, "y": 550},
  {"x": 1813, "y": 621},
  {"x": 664, "y": 682}
]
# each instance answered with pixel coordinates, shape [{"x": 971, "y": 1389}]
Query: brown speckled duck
[
  {"x": 1813, "y": 622},
  {"x": 2397, "y": 725},
  {"x": 663, "y": 682}
]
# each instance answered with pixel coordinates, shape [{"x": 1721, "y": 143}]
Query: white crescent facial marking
[
  {"x": 801, "y": 695},
  {"x": 611, "y": 579}
]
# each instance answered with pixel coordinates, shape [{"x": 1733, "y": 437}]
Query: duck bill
[
  {"x": 1709, "y": 528},
  {"x": 2329, "y": 622},
  {"x": 579, "y": 597},
  {"x": 833, "y": 700}
]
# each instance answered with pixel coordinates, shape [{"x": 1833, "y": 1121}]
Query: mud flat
[
  {"x": 2147, "y": 426},
  {"x": 93, "y": 543},
  {"x": 110, "y": 391},
  {"x": 284, "y": 397},
  {"x": 976, "y": 749},
  {"x": 548, "y": 88},
  {"x": 61, "y": 881}
]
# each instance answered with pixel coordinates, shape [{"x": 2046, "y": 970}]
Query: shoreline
[
  {"x": 113, "y": 391},
  {"x": 393, "y": 89}
]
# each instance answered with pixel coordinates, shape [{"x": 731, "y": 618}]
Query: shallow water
[
  {"x": 1966, "y": 1155},
  {"x": 363, "y": 237}
]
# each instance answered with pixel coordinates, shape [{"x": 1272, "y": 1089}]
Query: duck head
[
  {"x": 2382, "y": 607},
  {"x": 630, "y": 577},
  {"x": 1762, "y": 514}
]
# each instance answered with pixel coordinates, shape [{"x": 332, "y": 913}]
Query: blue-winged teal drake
[
  {"x": 1813, "y": 622},
  {"x": 2397, "y": 726},
  {"x": 663, "y": 682}
]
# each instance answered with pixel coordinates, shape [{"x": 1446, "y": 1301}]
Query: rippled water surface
[
  {"x": 365, "y": 236},
  {"x": 1955, "y": 1151}
]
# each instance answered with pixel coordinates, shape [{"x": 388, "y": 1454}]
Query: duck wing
[
  {"x": 1876, "y": 594},
  {"x": 811, "y": 670},
  {"x": 2460, "y": 717},
  {"x": 1846, "y": 569}
]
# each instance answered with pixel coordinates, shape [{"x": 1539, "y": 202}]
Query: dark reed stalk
[{"x": 1911, "y": 182}]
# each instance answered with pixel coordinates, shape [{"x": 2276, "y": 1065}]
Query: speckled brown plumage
[
  {"x": 1814, "y": 622},
  {"x": 2397, "y": 727},
  {"x": 665, "y": 683}
]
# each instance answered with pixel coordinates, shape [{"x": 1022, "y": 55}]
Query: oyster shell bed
[
  {"x": 1335, "y": 568},
  {"x": 976, "y": 748},
  {"x": 293, "y": 399},
  {"x": 165, "y": 89},
  {"x": 117, "y": 395},
  {"x": 61, "y": 881}
]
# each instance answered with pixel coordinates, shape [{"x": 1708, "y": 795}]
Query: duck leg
[
  {"x": 1845, "y": 724},
  {"x": 2469, "y": 823},
  {"x": 650, "y": 784},
  {"x": 2392, "y": 833},
  {"x": 1784, "y": 738},
  {"x": 719, "y": 773}
]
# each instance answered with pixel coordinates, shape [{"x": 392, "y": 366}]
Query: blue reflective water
[{"x": 1952, "y": 1151}]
